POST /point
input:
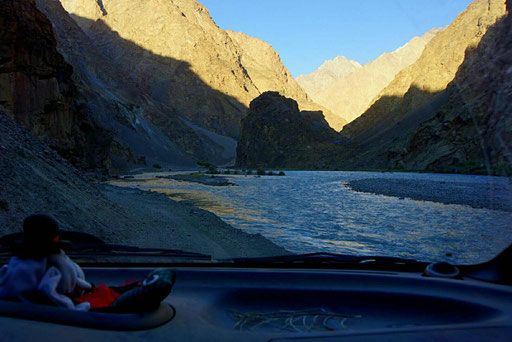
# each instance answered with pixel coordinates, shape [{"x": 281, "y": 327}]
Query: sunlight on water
[{"x": 315, "y": 211}]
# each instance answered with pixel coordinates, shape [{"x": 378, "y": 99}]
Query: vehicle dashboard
[{"x": 216, "y": 303}]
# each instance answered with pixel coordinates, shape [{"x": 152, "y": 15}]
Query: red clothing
[{"x": 100, "y": 297}]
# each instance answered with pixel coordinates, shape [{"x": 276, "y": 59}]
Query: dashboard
[{"x": 257, "y": 304}]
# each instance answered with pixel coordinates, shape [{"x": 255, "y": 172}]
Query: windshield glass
[{"x": 207, "y": 129}]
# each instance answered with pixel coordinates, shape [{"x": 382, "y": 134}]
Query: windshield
[{"x": 212, "y": 130}]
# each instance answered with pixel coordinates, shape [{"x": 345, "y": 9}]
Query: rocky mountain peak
[
  {"x": 330, "y": 71},
  {"x": 350, "y": 95}
]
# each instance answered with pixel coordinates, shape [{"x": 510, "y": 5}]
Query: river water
[{"x": 314, "y": 211}]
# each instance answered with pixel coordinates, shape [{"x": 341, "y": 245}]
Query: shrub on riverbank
[{"x": 212, "y": 170}]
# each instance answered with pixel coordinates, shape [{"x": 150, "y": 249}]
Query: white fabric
[
  {"x": 72, "y": 274},
  {"x": 54, "y": 276},
  {"x": 20, "y": 276},
  {"x": 49, "y": 285}
]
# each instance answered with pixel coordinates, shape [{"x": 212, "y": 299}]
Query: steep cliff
[
  {"x": 275, "y": 133},
  {"x": 36, "y": 88},
  {"x": 350, "y": 95},
  {"x": 107, "y": 94}
]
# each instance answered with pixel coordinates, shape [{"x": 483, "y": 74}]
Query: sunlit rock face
[
  {"x": 450, "y": 110},
  {"x": 328, "y": 73},
  {"x": 175, "y": 52},
  {"x": 347, "y": 88},
  {"x": 277, "y": 134},
  {"x": 36, "y": 88}
]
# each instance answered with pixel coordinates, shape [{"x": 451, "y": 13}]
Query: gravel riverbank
[
  {"x": 163, "y": 222},
  {"x": 477, "y": 195}
]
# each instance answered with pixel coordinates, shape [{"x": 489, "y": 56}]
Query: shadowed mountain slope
[
  {"x": 472, "y": 132},
  {"x": 37, "y": 90},
  {"x": 237, "y": 66},
  {"x": 431, "y": 73},
  {"x": 461, "y": 127}
]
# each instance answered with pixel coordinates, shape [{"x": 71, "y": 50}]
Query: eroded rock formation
[
  {"x": 277, "y": 134},
  {"x": 36, "y": 88}
]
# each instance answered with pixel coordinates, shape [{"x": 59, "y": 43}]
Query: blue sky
[{"x": 305, "y": 33}]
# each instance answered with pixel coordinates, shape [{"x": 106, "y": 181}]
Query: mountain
[
  {"x": 472, "y": 132},
  {"x": 450, "y": 111},
  {"x": 268, "y": 73},
  {"x": 328, "y": 73},
  {"x": 174, "y": 87},
  {"x": 275, "y": 133},
  {"x": 432, "y": 72},
  {"x": 429, "y": 116},
  {"x": 349, "y": 95},
  {"x": 113, "y": 101}
]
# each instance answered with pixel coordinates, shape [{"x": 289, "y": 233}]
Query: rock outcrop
[
  {"x": 450, "y": 110},
  {"x": 276, "y": 134},
  {"x": 350, "y": 95},
  {"x": 36, "y": 88},
  {"x": 266, "y": 70}
]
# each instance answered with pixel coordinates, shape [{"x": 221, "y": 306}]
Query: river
[{"x": 314, "y": 211}]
